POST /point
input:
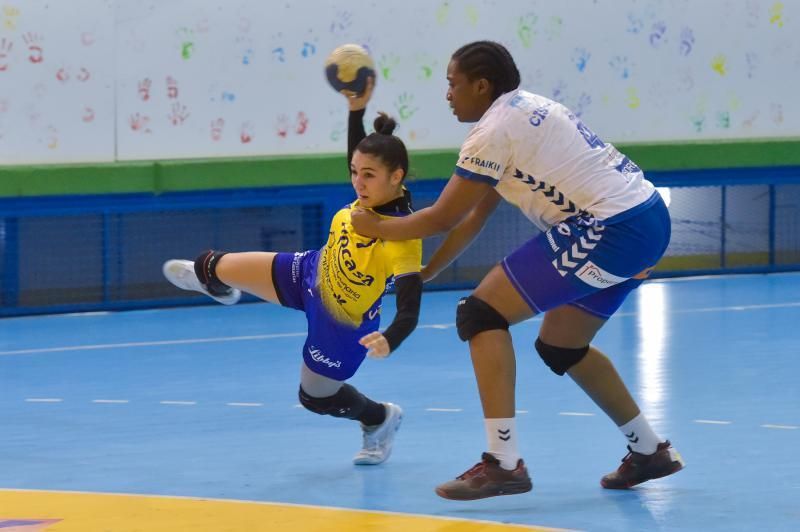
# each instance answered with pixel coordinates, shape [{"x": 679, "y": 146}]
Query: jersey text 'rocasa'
[{"x": 354, "y": 270}]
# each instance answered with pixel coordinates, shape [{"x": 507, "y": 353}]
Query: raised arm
[
  {"x": 355, "y": 120},
  {"x": 458, "y": 198},
  {"x": 355, "y": 133}
]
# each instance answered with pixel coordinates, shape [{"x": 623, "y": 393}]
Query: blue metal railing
[{"x": 44, "y": 270}]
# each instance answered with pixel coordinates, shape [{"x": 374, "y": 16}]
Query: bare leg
[
  {"x": 566, "y": 326},
  {"x": 492, "y": 352},
  {"x": 501, "y": 470},
  {"x": 596, "y": 375},
  {"x": 650, "y": 457},
  {"x": 250, "y": 271},
  {"x": 571, "y": 327}
]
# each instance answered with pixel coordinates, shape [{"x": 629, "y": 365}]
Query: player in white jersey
[{"x": 604, "y": 229}]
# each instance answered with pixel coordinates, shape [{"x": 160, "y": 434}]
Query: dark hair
[
  {"x": 489, "y": 60},
  {"x": 383, "y": 144}
]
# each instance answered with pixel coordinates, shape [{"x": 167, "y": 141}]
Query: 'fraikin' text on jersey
[{"x": 540, "y": 157}]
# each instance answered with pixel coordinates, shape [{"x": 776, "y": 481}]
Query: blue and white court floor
[{"x": 187, "y": 419}]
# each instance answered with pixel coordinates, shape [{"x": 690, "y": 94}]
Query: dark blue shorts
[
  {"x": 592, "y": 265},
  {"x": 331, "y": 348}
]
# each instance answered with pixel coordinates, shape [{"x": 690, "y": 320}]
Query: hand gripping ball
[{"x": 348, "y": 67}]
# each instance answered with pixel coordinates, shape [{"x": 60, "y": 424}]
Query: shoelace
[
  {"x": 630, "y": 454},
  {"x": 474, "y": 470},
  {"x": 629, "y": 460}
]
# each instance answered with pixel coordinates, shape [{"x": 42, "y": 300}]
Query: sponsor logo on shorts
[
  {"x": 374, "y": 312},
  {"x": 551, "y": 241},
  {"x": 593, "y": 275},
  {"x": 318, "y": 357},
  {"x": 296, "y": 264}
]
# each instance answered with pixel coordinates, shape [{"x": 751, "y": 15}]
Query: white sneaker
[
  {"x": 181, "y": 274},
  {"x": 378, "y": 440}
]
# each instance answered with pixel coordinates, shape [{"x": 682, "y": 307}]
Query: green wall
[{"x": 195, "y": 174}]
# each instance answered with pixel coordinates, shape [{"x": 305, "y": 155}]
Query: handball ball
[{"x": 348, "y": 68}]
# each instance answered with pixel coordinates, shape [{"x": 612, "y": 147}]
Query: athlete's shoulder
[
  {"x": 342, "y": 216},
  {"x": 509, "y": 111},
  {"x": 526, "y": 104},
  {"x": 345, "y": 209}
]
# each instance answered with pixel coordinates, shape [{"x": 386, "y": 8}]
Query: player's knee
[
  {"x": 318, "y": 405},
  {"x": 347, "y": 402},
  {"x": 560, "y": 359},
  {"x": 474, "y": 316}
]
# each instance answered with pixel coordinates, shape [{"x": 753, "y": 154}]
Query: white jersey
[{"x": 541, "y": 158}]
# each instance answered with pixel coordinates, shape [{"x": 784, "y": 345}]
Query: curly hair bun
[{"x": 384, "y": 124}]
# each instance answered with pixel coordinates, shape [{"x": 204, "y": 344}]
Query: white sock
[
  {"x": 640, "y": 435},
  {"x": 501, "y": 434}
]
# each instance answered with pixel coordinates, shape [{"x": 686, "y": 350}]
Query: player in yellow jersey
[{"x": 339, "y": 287}]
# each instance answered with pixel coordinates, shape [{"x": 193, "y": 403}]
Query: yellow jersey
[{"x": 354, "y": 270}]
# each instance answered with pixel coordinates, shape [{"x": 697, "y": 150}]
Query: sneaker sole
[
  {"x": 676, "y": 467},
  {"x": 514, "y": 489},
  {"x": 367, "y": 462}
]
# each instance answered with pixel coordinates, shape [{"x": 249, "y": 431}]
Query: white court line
[
  {"x": 255, "y": 405},
  {"x": 148, "y": 344},
  {"x": 733, "y": 308},
  {"x": 289, "y": 335},
  {"x": 89, "y": 313},
  {"x": 737, "y": 308}
]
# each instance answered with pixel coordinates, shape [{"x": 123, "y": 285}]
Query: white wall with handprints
[{"x": 154, "y": 79}]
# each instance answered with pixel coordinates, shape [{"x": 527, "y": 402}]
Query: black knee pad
[
  {"x": 347, "y": 402},
  {"x": 560, "y": 359},
  {"x": 473, "y": 316},
  {"x": 205, "y": 267}
]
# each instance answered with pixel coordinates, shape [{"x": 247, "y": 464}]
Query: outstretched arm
[{"x": 457, "y": 199}]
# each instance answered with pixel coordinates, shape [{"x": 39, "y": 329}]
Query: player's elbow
[{"x": 410, "y": 322}]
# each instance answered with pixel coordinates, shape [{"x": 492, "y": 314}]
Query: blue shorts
[
  {"x": 590, "y": 264},
  {"x": 331, "y": 348}
]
